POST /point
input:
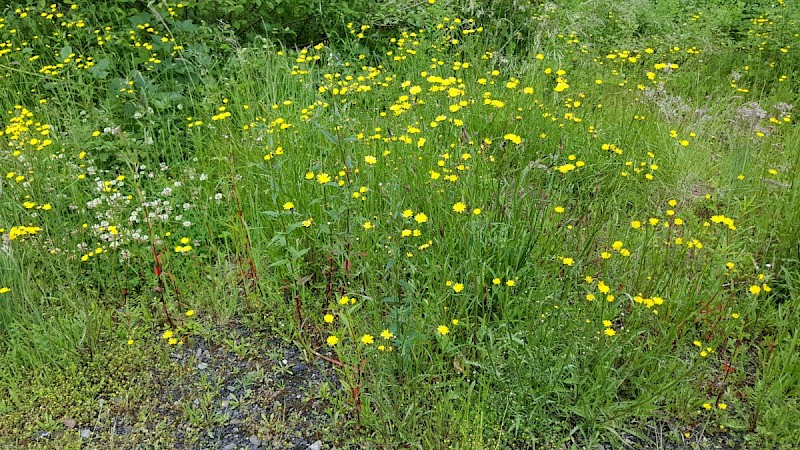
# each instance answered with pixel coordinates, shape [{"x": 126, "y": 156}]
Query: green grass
[{"x": 559, "y": 228}]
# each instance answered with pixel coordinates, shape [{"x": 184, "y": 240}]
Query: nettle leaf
[{"x": 65, "y": 52}]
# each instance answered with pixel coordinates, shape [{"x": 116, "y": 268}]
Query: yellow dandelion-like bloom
[
  {"x": 386, "y": 334},
  {"x": 513, "y": 138},
  {"x": 443, "y": 329},
  {"x": 459, "y": 207},
  {"x": 367, "y": 339},
  {"x": 332, "y": 340}
]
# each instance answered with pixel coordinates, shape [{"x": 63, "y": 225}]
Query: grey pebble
[
  {"x": 255, "y": 441},
  {"x": 202, "y": 366},
  {"x": 317, "y": 445},
  {"x": 230, "y": 446},
  {"x": 86, "y": 433},
  {"x": 297, "y": 369}
]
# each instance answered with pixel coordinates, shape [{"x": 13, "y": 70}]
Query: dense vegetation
[{"x": 530, "y": 225}]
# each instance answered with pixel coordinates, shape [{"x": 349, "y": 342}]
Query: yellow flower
[
  {"x": 559, "y": 209},
  {"x": 332, "y": 340},
  {"x": 368, "y": 225},
  {"x": 707, "y": 405},
  {"x": 459, "y": 207},
  {"x": 167, "y": 334},
  {"x": 755, "y": 289},
  {"x": 190, "y": 313},
  {"x": 421, "y": 218},
  {"x": 636, "y": 224},
  {"x": 722, "y": 405},
  {"x": 288, "y": 206},
  {"x": 307, "y": 223},
  {"x": 323, "y": 178},
  {"x": 568, "y": 261},
  {"x": 609, "y": 332},
  {"x": 458, "y": 287},
  {"x": 476, "y": 211},
  {"x": 442, "y": 329},
  {"x": 369, "y": 159},
  {"x": 386, "y": 334},
  {"x": 173, "y": 341},
  {"x": 3, "y": 290},
  {"x": 513, "y": 138},
  {"x": 510, "y": 283},
  {"x": 328, "y": 318},
  {"x": 497, "y": 281},
  {"x": 367, "y": 339},
  {"x": 561, "y": 86}
]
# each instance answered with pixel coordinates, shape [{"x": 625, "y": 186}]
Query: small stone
[
  {"x": 70, "y": 423},
  {"x": 255, "y": 441},
  {"x": 297, "y": 369},
  {"x": 85, "y": 433},
  {"x": 317, "y": 445},
  {"x": 224, "y": 404},
  {"x": 202, "y": 366},
  {"x": 230, "y": 388},
  {"x": 230, "y": 446}
]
